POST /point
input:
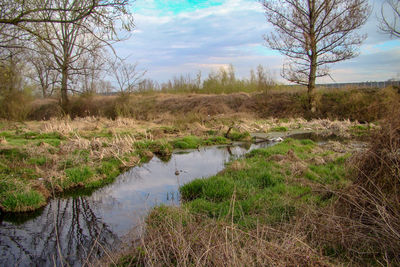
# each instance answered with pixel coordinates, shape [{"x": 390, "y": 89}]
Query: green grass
[
  {"x": 236, "y": 136},
  {"x": 38, "y": 161},
  {"x": 27, "y": 138},
  {"x": 110, "y": 168},
  {"x": 23, "y": 167},
  {"x": 22, "y": 201},
  {"x": 16, "y": 195},
  {"x": 13, "y": 154},
  {"x": 329, "y": 173},
  {"x": 264, "y": 190},
  {"x": 187, "y": 142},
  {"x": 279, "y": 129},
  {"x": 215, "y": 140},
  {"x": 79, "y": 174},
  {"x": 360, "y": 130},
  {"x": 192, "y": 142}
]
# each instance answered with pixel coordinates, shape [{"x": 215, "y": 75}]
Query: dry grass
[
  {"x": 364, "y": 224},
  {"x": 362, "y": 105},
  {"x": 176, "y": 238}
]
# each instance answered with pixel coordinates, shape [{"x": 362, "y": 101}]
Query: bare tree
[
  {"x": 264, "y": 78},
  {"x": 313, "y": 34},
  {"x": 126, "y": 76},
  {"x": 390, "y": 16},
  {"x": 23, "y": 14},
  {"x": 148, "y": 85},
  {"x": 43, "y": 72},
  {"x": 92, "y": 66},
  {"x": 68, "y": 42},
  {"x": 19, "y": 19}
]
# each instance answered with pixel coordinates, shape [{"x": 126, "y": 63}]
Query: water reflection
[
  {"x": 67, "y": 231},
  {"x": 77, "y": 229}
]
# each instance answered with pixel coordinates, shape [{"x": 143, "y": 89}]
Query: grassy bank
[
  {"x": 294, "y": 204},
  {"x": 40, "y": 159},
  {"x": 244, "y": 215}
]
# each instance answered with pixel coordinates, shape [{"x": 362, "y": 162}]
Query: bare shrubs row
[{"x": 358, "y": 105}]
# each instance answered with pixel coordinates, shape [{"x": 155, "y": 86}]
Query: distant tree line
[{"x": 223, "y": 80}]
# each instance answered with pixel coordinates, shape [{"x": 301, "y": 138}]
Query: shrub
[{"x": 15, "y": 105}]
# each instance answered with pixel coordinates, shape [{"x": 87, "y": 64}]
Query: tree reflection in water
[{"x": 84, "y": 236}]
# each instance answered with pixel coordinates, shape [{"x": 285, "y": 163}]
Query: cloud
[
  {"x": 378, "y": 66},
  {"x": 171, "y": 40}
]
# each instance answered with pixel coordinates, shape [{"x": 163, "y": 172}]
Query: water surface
[{"x": 77, "y": 229}]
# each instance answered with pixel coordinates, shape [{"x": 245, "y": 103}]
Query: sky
[{"x": 179, "y": 37}]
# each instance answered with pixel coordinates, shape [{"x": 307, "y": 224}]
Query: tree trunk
[
  {"x": 64, "y": 89},
  {"x": 44, "y": 90},
  {"x": 313, "y": 59},
  {"x": 311, "y": 86}
]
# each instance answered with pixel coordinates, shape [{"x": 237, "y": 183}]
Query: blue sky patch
[{"x": 179, "y": 6}]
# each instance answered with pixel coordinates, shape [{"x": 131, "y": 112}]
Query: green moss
[
  {"x": 193, "y": 142},
  {"x": 131, "y": 260},
  {"x": 104, "y": 133},
  {"x": 203, "y": 206},
  {"x": 66, "y": 164},
  {"x": 82, "y": 155},
  {"x": 52, "y": 142},
  {"x": 6, "y": 134},
  {"x": 301, "y": 148},
  {"x": 280, "y": 213},
  {"x": 327, "y": 173},
  {"x": 218, "y": 189}
]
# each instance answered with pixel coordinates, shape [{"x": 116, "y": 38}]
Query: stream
[{"x": 78, "y": 229}]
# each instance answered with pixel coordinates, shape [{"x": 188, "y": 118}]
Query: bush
[{"x": 15, "y": 105}]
